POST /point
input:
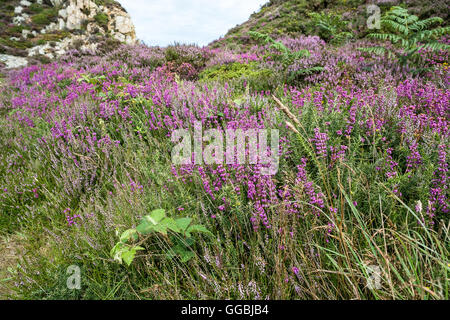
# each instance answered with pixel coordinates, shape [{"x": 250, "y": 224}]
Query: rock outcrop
[{"x": 46, "y": 29}]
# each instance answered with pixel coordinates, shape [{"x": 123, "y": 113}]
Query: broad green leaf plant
[{"x": 179, "y": 232}]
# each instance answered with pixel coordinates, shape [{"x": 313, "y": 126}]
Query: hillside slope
[
  {"x": 291, "y": 17},
  {"x": 346, "y": 200},
  {"x": 45, "y": 29}
]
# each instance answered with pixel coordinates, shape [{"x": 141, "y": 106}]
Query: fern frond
[
  {"x": 425, "y": 24},
  {"x": 301, "y": 54},
  {"x": 435, "y": 46},
  {"x": 428, "y": 35},
  {"x": 304, "y": 72},
  {"x": 386, "y": 37},
  {"x": 409, "y": 33},
  {"x": 375, "y": 50},
  {"x": 280, "y": 47},
  {"x": 395, "y": 26},
  {"x": 263, "y": 38}
]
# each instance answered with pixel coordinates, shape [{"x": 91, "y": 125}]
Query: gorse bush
[{"x": 410, "y": 34}]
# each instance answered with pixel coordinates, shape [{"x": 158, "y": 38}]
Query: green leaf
[
  {"x": 184, "y": 253},
  {"x": 187, "y": 255},
  {"x": 145, "y": 228},
  {"x": 149, "y": 222},
  {"x": 160, "y": 228},
  {"x": 116, "y": 249},
  {"x": 198, "y": 228},
  {"x": 183, "y": 223},
  {"x": 129, "y": 254},
  {"x": 155, "y": 216},
  {"x": 130, "y": 233},
  {"x": 171, "y": 224}
]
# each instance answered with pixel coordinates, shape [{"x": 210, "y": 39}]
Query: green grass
[
  {"x": 19, "y": 44},
  {"x": 45, "y": 16},
  {"x": 102, "y": 19},
  {"x": 414, "y": 259},
  {"x": 36, "y": 8}
]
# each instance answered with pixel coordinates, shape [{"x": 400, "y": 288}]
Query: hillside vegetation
[
  {"x": 294, "y": 17},
  {"x": 358, "y": 208}
]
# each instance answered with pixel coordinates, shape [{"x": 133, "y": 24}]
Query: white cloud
[{"x": 163, "y": 22}]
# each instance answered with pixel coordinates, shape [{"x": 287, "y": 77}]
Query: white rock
[
  {"x": 56, "y": 3},
  {"x": 18, "y": 20},
  {"x": 119, "y": 37},
  {"x": 63, "y": 13},
  {"x": 51, "y": 27},
  {"x": 38, "y": 50},
  {"x": 124, "y": 24},
  {"x": 61, "y": 24},
  {"x": 60, "y": 52},
  {"x": 74, "y": 17},
  {"x": 129, "y": 40},
  {"x": 12, "y": 61},
  {"x": 18, "y": 10},
  {"x": 25, "y": 33}
]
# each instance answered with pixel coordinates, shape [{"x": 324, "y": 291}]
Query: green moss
[
  {"x": 48, "y": 37},
  {"x": 16, "y": 29},
  {"x": 104, "y": 2},
  {"x": 45, "y": 17},
  {"x": 102, "y": 19},
  {"x": 36, "y": 8},
  {"x": 55, "y": 36},
  {"x": 21, "y": 44}
]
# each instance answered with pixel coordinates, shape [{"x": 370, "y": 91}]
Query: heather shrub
[{"x": 182, "y": 54}]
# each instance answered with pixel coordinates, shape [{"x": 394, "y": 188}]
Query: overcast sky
[{"x": 162, "y": 22}]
